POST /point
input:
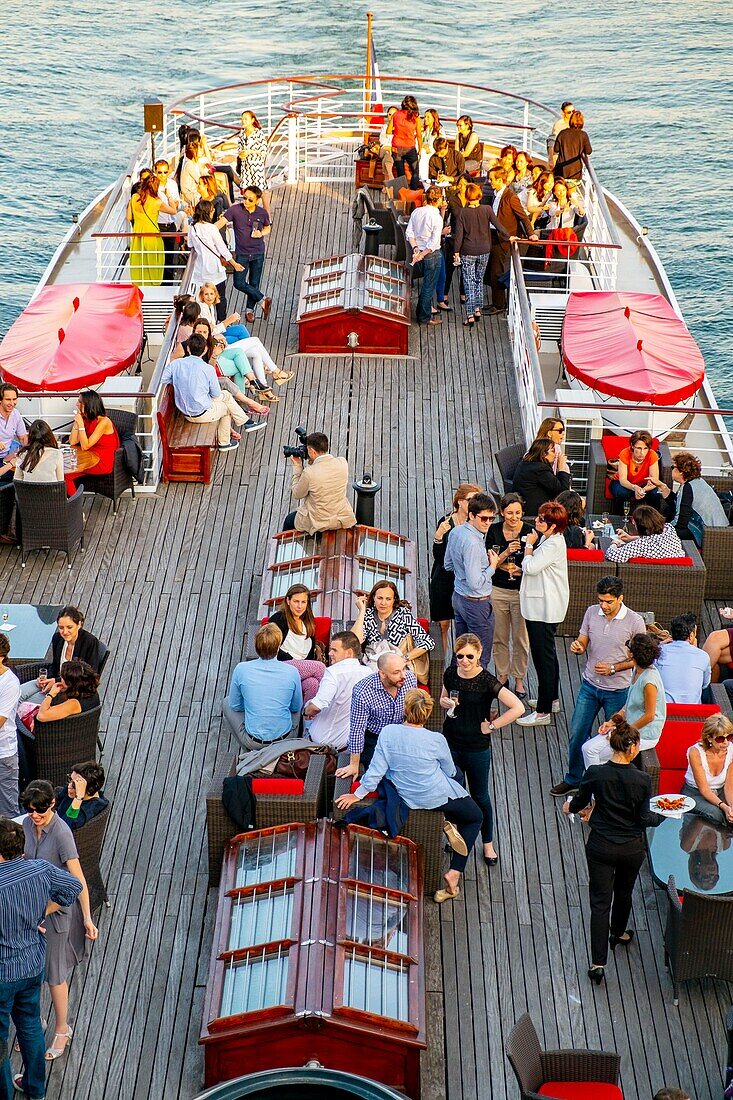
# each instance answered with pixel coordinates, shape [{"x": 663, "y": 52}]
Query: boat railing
[
  {"x": 600, "y": 228},
  {"x": 527, "y": 369}
]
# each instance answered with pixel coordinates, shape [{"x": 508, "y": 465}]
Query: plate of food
[{"x": 672, "y": 805}]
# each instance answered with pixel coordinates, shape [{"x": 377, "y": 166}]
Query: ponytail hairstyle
[{"x": 624, "y": 736}]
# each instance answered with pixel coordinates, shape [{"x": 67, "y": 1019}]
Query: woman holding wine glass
[
  {"x": 511, "y": 642},
  {"x": 468, "y": 694}
]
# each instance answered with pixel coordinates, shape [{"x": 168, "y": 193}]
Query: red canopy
[
  {"x": 73, "y": 335},
  {"x": 631, "y": 346}
]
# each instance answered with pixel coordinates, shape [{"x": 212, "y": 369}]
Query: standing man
[
  {"x": 561, "y": 123},
  {"x": 321, "y": 490},
  {"x": 425, "y": 233},
  {"x": 512, "y": 218},
  {"x": 168, "y": 190},
  {"x": 685, "y": 669},
  {"x": 13, "y": 434},
  {"x": 30, "y": 889},
  {"x": 376, "y": 701},
  {"x": 330, "y": 707},
  {"x": 251, "y": 225},
  {"x": 199, "y": 396},
  {"x": 467, "y": 558},
  {"x": 604, "y": 632}
]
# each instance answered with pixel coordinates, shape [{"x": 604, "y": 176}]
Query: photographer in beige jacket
[{"x": 321, "y": 487}]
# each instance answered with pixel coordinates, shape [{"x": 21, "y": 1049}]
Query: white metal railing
[{"x": 527, "y": 368}]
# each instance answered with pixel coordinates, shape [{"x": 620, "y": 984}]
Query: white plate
[{"x": 686, "y": 806}]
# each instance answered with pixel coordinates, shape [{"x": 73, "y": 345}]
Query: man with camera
[{"x": 320, "y": 486}]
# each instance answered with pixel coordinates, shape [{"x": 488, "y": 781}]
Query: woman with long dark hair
[
  {"x": 94, "y": 439},
  {"x": 441, "y": 579},
  {"x": 467, "y": 143},
  {"x": 385, "y": 621},
  {"x": 615, "y": 847},
  {"x": 74, "y": 693},
  {"x": 40, "y": 460},
  {"x": 406, "y": 129},
  {"x": 298, "y": 627},
  {"x": 252, "y": 156},
  {"x": 210, "y": 252}
]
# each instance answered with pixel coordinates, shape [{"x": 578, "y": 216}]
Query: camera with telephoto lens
[{"x": 300, "y": 451}]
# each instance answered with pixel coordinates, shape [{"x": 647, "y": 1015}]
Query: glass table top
[
  {"x": 698, "y": 854},
  {"x": 29, "y": 628}
]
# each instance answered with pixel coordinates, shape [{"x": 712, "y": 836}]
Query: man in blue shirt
[
  {"x": 685, "y": 669},
  {"x": 199, "y": 396},
  {"x": 265, "y": 696},
  {"x": 251, "y": 225},
  {"x": 467, "y": 558},
  {"x": 30, "y": 889}
]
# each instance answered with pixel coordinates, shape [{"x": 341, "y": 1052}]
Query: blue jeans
[
  {"x": 590, "y": 702},
  {"x": 473, "y": 768},
  {"x": 248, "y": 281},
  {"x": 22, "y": 1001},
  {"x": 621, "y": 493},
  {"x": 475, "y": 617},
  {"x": 442, "y": 271},
  {"x": 431, "y": 271}
]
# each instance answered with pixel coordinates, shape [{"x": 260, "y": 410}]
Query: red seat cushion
[
  {"x": 661, "y": 561},
  {"x": 691, "y": 710},
  {"x": 278, "y": 786},
  {"x": 355, "y": 784},
  {"x": 581, "y": 1090},
  {"x": 675, "y": 741},
  {"x": 671, "y": 780},
  {"x": 585, "y": 555}
]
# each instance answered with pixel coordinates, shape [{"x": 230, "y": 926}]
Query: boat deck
[{"x": 172, "y": 584}]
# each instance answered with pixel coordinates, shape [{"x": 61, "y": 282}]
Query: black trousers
[
  {"x": 467, "y": 818},
  {"x": 612, "y": 872},
  {"x": 544, "y": 656}
]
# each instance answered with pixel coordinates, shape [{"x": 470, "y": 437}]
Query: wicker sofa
[
  {"x": 585, "y": 569},
  {"x": 49, "y": 520},
  {"x": 55, "y": 747},
  {"x": 666, "y": 764},
  {"x": 665, "y": 588},
  {"x": 273, "y": 808},
  {"x": 698, "y": 936}
]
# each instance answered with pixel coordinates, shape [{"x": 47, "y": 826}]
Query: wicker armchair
[
  {"x": 272, "y": 809},
  {"x": 114, "y": 485},
  {"x": 535, "y": 1067},
  {"x": 89, "y": 840},
  {"x": 596, "y": 500},
  {"x": 49, "y": 519},
  {"x": 424, "y": 827},
  {"x": 665, "y": 589},
  {"x": 57, "y": 746},
  {"x": 698, "y": 937},
  {"x": 7, "y": 503},
  {"x": 717, "y": 553},
  {"x": 507, "y": 460}
]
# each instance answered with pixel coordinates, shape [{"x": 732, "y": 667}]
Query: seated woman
[
  {"x": 82, "y": 798},
  {"x": 565, "y": 207},
  {"x": 75, "y": 692},
  {"x": 522, "y": 176},
  {"x": 719, "y": 647},
  {"x": 261, "y": 362},
  {"x": 709, "y": 776},
  {"x": 539, "y": 197},
  {"x": 694, "y": 495},
  {"x": 654, "y": 539},
  {"x": 40, "y": 460},
  {"x": 94, "y": 439},
  {"x": 646, "y": 705},
  {"x": 467, "y": 143},
  {"x": 419, "y": 765},
  {"x": 208, "y": 299},
  {"x": 552, "y": 427},
  {"x": 214, "y": 346},
  {"x": 298, "y": 627},
  {"x": 534, "y": 479},
  {"x": 577, "y": 536},
  {"x": 385, "y": 622},
  {"x": 638, "y": 472},
  {"x": 70, "y": 643}
]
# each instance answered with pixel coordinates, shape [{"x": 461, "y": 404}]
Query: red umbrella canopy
[
  {"x": 73, "y": 335},
  {"x": 631, "y": 346}
]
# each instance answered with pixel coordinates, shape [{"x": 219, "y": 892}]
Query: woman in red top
[
  {"x": 638, "y": 468},
  {"x": 94, "y": 438},
  {"x": 405, "y": 126}
]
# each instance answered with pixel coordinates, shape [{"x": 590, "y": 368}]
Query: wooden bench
[{"x": 187, "y": 447}]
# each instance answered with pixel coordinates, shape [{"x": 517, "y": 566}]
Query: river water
[{"x": 653, "y": 80}]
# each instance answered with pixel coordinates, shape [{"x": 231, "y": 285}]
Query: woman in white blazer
[{"x": 543, "y": 601}]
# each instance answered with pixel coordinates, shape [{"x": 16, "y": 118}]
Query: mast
[{"x": 368, "y": 78}]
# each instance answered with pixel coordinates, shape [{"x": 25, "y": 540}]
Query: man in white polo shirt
[
  {"x": 425, "y": 233},
  {"x": 330, "y": 708}
]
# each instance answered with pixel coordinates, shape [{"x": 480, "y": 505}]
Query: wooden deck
[{"x": 172, "y": 584}]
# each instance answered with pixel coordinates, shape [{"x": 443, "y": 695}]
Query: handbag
[
  {"x": 420, "y": 665},
  {"x": 294, "y": 764}
]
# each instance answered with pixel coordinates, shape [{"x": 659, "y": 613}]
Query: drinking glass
[
  {"x": 627, "y": 509},
  {"x": 454, "y": 703}
]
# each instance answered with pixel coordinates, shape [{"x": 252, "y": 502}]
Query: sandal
[
  {"x": 283, "y": 376},
  {"x": 477, "y": 313},
  {"x": 445, "y": 895},
  {"x": 468, "y": 322},
  {"x": 268, "y": 395},
  {"x": 55, "y": 1052}
]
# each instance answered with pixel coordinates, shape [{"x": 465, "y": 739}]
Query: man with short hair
[
  {"x": 30, "y": 889},
  {"x": 685, "y": 669},
  {"x": 321, "y": 489},
  {"x": 13, "y": 433},
  {"x": 671, "y": 1093},
  {"x": 167, "y": 223},
  {"x": 265, "y": 695},
  {"x": 376, "y": 701},
  {"x": 562, "y": 122},
  {"x": 330, "y": 707},
  {"x": 199, "y": 396},
  {"x": 251, "y": 225},
  {"x": 446, "y": 164},
  {"x": 514, "y": 221},
  {"x": 425, "y": 233},
  {"x": 466, "y": 557},
  {"x": 604, "y": 632}
]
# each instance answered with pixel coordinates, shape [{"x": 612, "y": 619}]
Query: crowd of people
[{"x": 46, "y": 916}]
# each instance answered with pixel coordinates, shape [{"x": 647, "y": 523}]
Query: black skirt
[{"x": 441, "y": 584}]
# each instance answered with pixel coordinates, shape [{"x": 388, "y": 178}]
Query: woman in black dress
[
  {"x": 534, "y": 480},
  {"x": 577, "y": 536},
  {"x": 441, "y": 581},
  {"x": 511, "y": 643},
  {"x": 469, "y": 691},
  {"x": 615, "y": 846}
]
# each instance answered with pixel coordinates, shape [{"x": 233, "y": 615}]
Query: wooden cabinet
[{"x": 318, "y": 954}]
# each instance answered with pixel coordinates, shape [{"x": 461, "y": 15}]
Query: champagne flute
[
  {"x": 454, "y": 703},
  {"x": 627, "y": 509}
]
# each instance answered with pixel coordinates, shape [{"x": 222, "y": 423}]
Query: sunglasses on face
[
  {"x": 466, "y": 657},
  {"x": 723, "y": 738}
]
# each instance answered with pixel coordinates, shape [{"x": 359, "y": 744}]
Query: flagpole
[{"x": 368, "y": 70}]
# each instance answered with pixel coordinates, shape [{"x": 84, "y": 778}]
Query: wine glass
[
  {"x": 454, "y": 703},
  {"x": 627, "y": 509}
]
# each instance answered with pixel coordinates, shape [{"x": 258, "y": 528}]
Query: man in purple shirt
[
  {"x": 13, "y": 434},
  {"x": 604, "y": 632},
  {"x": 251, "y": 225}
]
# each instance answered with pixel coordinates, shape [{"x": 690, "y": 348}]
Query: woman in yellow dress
[{"x": 147, "y": 256}]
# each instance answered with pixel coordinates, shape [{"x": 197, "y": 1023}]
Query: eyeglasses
[
  {"x": 466, "y": 657},
  {"x": 561, "y": 430},
  {"x": 723, "y": 738}
]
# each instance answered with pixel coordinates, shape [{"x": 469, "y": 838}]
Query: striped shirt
[
  {"x": 26, "y": 887},
  {"x": 373, "y": 708}
]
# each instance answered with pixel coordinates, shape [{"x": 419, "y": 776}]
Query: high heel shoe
[
  {"x": 596, "y": 974},
  {"x": 268, "y": 395},
  {"x": 614, "y": 941},
  {"x": 55, "y": 1052}
]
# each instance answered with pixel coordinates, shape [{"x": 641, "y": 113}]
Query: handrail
[
  {"x": 602, "y": 202},
  {"x": 108, "y": 394},
  {"x": 564, "y": 244},
  {"x": 689, "y": 410},
  {"x": 106, "y": 236}
]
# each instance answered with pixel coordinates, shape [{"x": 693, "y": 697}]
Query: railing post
[
  {"x": 98, "y": 244},
  {"x": 292, "y": 148},
  {"x": 458, "y": 103},
  {"x": 525, "y": 134},
  {"x": 202, "y": 125},
  {"x": 269, "y": 107}
]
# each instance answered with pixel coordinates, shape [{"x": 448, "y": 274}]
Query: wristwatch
[
  {"x": 613, "y": 670},
  {"x": 492, "y": 727}
]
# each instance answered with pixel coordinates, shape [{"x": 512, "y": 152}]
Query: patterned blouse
[
  {"x": 664, "y": 545},
  {"x": 399, "y": 625},
  {"x": 252, "y": 172}
]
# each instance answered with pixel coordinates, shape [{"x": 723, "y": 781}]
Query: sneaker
[
  {"x": 563, "y": 788},
  {"x": 555, "y": 705},
  {"x": 231, "y": 446},
  {"x": 534, "y": 719},
  {"x": 253, "y": 426},
  {"x": 266, "y": 303}
]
